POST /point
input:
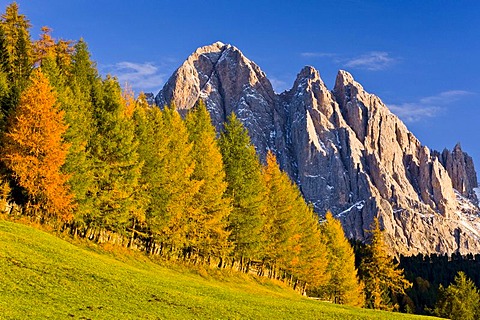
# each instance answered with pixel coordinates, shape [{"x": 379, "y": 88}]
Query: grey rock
[
  {"x": 344, "y": 148},
  {"x": 461, "y": 170}
]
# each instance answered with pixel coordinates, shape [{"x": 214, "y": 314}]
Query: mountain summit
[{"x": 344, "y": 148}]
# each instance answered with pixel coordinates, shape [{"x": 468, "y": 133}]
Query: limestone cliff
[
  {"x": 344, "y": 148},
  {"x": 461, "y": 170}
]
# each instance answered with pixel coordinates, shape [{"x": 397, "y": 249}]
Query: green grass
[{"x": 45, "y": 277}]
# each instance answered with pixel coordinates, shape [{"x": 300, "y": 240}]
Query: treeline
[
  {"x": 430, "y": 272},
  {"x": 87, "y": 158}
]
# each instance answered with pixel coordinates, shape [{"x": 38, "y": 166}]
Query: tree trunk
[{"x": 130, "y": 243}]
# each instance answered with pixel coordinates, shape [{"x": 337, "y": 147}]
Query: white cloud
[
  {"x": 427, "y": 107},
  {"x": 413, "y": 112},
  {"x": 373, "y": 61},
  {"x": 278, "y": 85},
  {"x": 445, "y": 97},
  {"x": 139, "y": 76},
  {"x": 318, "y": 54}
]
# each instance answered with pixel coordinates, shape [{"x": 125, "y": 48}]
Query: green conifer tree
[
  {"x": 247, "y": 189},
  {"x": 16, "y": 59},
  {"x": 208, "y": 234},
  {"x": 117, "y": 167},
  {"x": 459, "y": 301}
]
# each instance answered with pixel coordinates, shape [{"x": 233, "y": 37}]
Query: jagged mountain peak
[
  {"x": 214, "y": 47},
  {"x": 308, "y": 72},
  {"x": 344, "y": 78},
  {"x": 306, "y": 78},
  {"x": 458, "y": 147},
  {"x": 344, "y": 148},
  {"x": 207, "y": 72}
]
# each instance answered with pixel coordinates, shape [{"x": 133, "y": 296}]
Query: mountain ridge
[{"x": 343, "y": 147}]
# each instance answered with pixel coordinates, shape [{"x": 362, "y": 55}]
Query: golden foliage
[
  {"x": 45, "y": 46},
  {"x": 381, "y": 274},
  {"x": 129, "y": 102},
  {"x": 35, "y": 151}
]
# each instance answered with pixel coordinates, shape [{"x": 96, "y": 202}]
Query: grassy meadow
[{"x": 45, "y": 277}]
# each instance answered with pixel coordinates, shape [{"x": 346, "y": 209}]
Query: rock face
[
  {"x": 461, "y": 170},
  {"x": 344, "y": 148}
]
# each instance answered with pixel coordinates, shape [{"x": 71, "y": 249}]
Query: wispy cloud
[
  {"x": 446, "y": 97},
  {"x": 139, "y": 76},
  {"x": 373, "y": 61},
  {"x": 278, "y": 85},
  {"x": 414, "y": 112},
  {"x": 318, "y": 54},
  {"x": 427, "y": 107}
]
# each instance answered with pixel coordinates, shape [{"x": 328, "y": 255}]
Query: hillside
[{"x": 43, "y": 277}]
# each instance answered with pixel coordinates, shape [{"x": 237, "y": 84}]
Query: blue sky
[{"x": 421, "y": 57}]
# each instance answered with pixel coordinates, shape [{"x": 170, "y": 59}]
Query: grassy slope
[{"x": 42, "y": 276}]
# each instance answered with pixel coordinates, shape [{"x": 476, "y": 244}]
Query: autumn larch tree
[
  {"x": 73, "y": 75},
  {"x": 208, "y": 235},
  {"x": 34, "y": 151},
  {"x": 311, "y": 266},
  {"x": 167, "y": 179},
  {"x": 280, "y": 223},
  {"x": 380, "y": 274},
  {"x": 343, "y": 286}
]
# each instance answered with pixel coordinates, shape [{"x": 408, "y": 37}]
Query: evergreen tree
[
  {"x": 15, "y": 54},
  {"x": 459, "y": 301},
  {"x": 208, "y": 234},
  {"x": 84, "y": 72},
  {"x": 380, "y": 274},
  {"x": 117, "y": 167},
  {"x": 33, "y": 149},
  {"x": 343, "y": 285},
  {"x": 82, "y": 87},
  {"x": 247, "y": 189}
]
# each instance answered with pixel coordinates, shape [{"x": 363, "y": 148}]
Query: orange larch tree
[{"x": 34, "y": 151}]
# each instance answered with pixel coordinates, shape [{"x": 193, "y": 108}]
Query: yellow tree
[
  {"x": 380, "y": 273},
  {"x": 44, "y": 47},
  {"x": 280, "y": 224},
  {"x": 34, "y": 151},
  {"x": 208, "y": 234},
  {"x": 343, "y": 285},
  {"x": 294, "y": 242}
]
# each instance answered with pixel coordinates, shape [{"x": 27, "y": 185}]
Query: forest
[{"x": 94, "y": 160}]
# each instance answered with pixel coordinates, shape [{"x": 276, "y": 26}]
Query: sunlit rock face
[{"x": 344, "y": 148}]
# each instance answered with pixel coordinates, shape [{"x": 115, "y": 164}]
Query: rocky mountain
[
  {"x": 461, "y": 170},
  {"x": 344, "y": 148}
]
